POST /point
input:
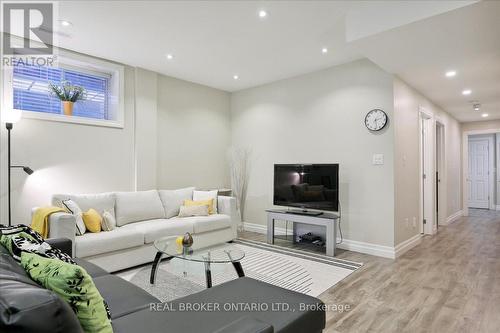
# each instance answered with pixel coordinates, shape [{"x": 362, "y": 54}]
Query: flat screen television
[{"x": 307, "y": 186}]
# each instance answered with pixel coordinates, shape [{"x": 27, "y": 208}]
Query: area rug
[{"x": 301, "y": 271}]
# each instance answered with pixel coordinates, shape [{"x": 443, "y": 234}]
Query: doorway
[
  {"x": 480, "y": 163},
  {"x": 440, "y": 175},
  {"x": 427, "y": 173}
]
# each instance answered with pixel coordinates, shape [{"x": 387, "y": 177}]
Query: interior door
[{"x": 478, "y": 180}]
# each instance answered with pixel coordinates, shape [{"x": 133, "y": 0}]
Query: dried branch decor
[{"x": 239, "y": 163}]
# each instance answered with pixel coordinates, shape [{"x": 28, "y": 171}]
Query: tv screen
[{"x": 307, "y": 186}]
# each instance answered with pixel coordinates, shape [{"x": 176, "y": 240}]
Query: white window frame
[{"x": 85, "y": 64}]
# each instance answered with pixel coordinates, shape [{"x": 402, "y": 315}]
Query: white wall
[
  {"x": 491, "y": 126},
  {"x": 193, "y": 129},
  {"x": 68, "y": 158},
  {"x": 493, "y": 161},
  {"x": 176, "y": 134},
  {"x": 407, "y": 103},
  {"x": 319, "y": 118},
  {"x": 481, "y": 125},
  {"x": 146, "y": 136}
]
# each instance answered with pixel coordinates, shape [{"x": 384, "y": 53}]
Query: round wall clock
[{"x": 376, "y": 119}]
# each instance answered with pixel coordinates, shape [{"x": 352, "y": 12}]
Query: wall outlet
[
  {"x": 407, "y": 222},
  {"x": 414, "y": 222},
  {"x": 378, "y": 159}
]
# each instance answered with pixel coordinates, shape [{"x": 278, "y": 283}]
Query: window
[
  {"x": 26, "y": 88},
  {"x": 31, "y": 90}
]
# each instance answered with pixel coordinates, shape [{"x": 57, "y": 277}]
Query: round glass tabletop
[{"x": 222, "y": 253}]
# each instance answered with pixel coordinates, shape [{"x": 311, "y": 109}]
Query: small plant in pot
[{"x": 68, "y": 94}]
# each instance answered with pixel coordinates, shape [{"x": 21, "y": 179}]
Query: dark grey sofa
[{"x": 26, "y": 307}]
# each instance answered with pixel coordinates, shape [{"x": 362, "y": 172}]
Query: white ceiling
[
  {"x": 466, "y": 40},
  {"x": 213, "y": 40}
]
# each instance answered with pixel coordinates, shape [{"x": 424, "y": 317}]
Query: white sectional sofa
[{"x": 141, "y": 218}]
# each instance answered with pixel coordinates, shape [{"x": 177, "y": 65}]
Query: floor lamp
[{"x": 10, "y": 118}]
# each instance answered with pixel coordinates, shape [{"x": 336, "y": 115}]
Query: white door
[{"x": 478, "y": 180}]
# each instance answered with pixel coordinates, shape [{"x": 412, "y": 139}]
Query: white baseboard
[
  {"x": 351, "y": 245},
  {"x": 408, "y": 244},
  {"x": 453, "y": 217},
  {"x": 368, "y": 248}
]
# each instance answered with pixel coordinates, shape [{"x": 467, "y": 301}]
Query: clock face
[{"x": 375, "y": 120}]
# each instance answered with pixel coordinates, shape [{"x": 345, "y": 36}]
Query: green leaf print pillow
[{"x": 73, "y": 284}]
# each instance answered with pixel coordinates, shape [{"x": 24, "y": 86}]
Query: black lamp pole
[
  {"x": 26, "y": 169},
  {"x": 9, "y": 128}
]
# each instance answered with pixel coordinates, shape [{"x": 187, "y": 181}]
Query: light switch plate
[{"x": 378, "y": 159}]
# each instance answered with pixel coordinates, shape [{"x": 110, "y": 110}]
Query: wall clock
[{"x": 376, "y": 120}]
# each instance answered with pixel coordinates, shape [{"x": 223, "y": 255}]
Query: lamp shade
[
  {"x": 28, "y": 170},
  {"x": 11, "y": 116}
]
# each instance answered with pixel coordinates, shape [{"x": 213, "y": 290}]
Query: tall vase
[{"x": 68, "y": 108}]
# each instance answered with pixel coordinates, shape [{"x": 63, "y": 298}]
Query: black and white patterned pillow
[
  {"x": 21, "y": 238},
  {"x": 77, "y": 212}
]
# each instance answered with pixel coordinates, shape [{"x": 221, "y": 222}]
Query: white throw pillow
[
  {"x": 74, "y": 209},
  {"x": 206, "y": 195},
  {"x": 172, "y": 200},
  {"x": 187, "y": 211},
  {"x": 108, "y": 221}
]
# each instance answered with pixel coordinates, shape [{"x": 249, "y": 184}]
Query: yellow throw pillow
[
  {"x": 92, "y": 220},
  {"x": 209, "y": 203}
]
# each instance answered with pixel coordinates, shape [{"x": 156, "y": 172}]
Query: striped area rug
[
  {"x": 301, "y": 271},
  {"x": 292, "y": 269}
]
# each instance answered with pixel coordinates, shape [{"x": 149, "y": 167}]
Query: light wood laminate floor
[{"x": 448, "y": 283}]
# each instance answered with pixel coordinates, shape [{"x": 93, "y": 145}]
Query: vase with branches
[
  {"x": 239, "y": 163},
  {"x": 68, "y": 94}
]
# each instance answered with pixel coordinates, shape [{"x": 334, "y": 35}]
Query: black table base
[
  {"x": 208, "y": 272},
  {"x": 156, "y": 263}
]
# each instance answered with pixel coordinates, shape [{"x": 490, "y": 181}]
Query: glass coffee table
[{"x": 217, "y": 254}]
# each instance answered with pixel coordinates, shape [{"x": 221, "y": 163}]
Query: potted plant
[{"x": 68, "y": 94}]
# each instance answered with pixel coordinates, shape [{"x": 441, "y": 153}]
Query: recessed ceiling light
[
  {"x": 236, "y": 77},
  {"x": 262, "y": 13},
  {"x": 466, "y": 92},
  {"x": 170, "y": 56},
  {"x": 324, "y": 50},
  {"x": 65, "y": 23},
  {"x": 451, "y": 73},
  {"x": 484, "y": 115}
]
